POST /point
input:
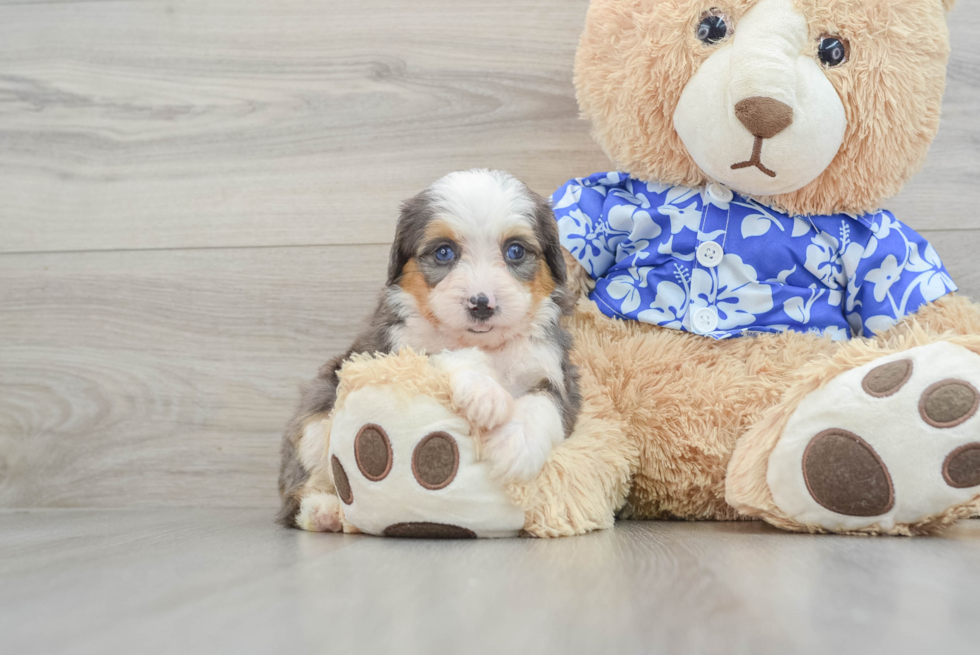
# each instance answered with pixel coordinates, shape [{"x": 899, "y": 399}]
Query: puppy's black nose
[{"x": 480, "y": 307}]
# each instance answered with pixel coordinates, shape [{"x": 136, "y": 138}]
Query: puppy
[{"x": 477, "y": 278}]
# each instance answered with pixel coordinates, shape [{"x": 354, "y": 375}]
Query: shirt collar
[{"x": 720, "y": 194}]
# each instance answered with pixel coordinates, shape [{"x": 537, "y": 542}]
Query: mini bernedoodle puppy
[{"x": 476, "y": 265}]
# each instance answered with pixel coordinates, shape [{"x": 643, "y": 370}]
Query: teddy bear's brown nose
[{"x": 764, "y": 117}]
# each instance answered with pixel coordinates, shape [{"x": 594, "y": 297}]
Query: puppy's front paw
[
  {"x": 320, "y": 512},
  {"x": 485, "y": 403},
  {"x": 514, "y": 454}
]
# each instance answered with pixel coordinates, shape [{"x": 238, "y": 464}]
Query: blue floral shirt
[{"x": 716, "y": 263}]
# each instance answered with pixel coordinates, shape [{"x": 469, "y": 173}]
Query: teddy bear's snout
[
  {"x": 764, "y": 117},
  {"x": 760, "y": 86}
]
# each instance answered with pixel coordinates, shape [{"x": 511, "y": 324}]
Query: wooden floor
[{"x": 228, "y": 581}]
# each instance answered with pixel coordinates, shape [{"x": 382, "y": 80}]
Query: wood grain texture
[
  {"x": 194, "y": 581},
  {"x": 251, "y": 122},
  {"x": 164, "y": 378},
  {"x": 945, "y": 194},
  {"x": 190, "y": 123}
]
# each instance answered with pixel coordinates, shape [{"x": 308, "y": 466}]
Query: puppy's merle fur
[{"x": 430, "y": 304}]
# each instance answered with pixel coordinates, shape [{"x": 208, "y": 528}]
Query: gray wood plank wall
[{"x": 196, "y": 198}]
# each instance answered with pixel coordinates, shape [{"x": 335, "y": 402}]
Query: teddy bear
[{"x": 755, "y": 337}]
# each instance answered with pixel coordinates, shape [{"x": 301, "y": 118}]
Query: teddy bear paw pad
[
  {"x": 423, "y": 530},
  {"x": 845, "y": 475},
  {"x": 889, "y": 443},
  {"x": 406, "y": 466}
]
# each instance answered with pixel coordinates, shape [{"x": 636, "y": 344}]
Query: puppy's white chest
[{"x": 523, "y": 364}]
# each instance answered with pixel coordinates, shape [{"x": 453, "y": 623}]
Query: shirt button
[
  {"x": 719, "y": 193},
  {"x": 709, "y": 254},
  {"x": 704, "y": 320}
]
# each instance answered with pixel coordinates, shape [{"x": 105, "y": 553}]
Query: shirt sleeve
[
  {"x": 891, "y": 276},
  {"x": 579, "y": 207}
]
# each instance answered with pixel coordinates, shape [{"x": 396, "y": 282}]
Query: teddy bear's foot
[
  {"x": 405, "y": 465},
  {"x": 891, "y": 446}
]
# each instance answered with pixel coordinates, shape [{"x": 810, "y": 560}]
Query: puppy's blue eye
[
  {"x": 445, "y": 254},
  {"x": 515, "y": 252}
]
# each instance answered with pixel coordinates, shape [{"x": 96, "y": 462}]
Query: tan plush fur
[
  {"x": 588, "y": 476},
  {"x": 666, "y": 409},
  {"x": 682, "y": 426},
  {"x": 409, "y": 372},
  {"x": 685, "y": 401},
  {"x": 636, "y": 56},
  {"x": 663, "y": 411},
  {"x": 671, "y": 406},
  {"x": 951, "y": 319}
]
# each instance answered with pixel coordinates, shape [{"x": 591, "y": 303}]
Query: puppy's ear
[
  {"x": 409, "y": 232},
  {"x": 546, "y": 229}
]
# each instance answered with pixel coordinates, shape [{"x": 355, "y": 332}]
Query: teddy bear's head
[{"x": 814, "y": 106}]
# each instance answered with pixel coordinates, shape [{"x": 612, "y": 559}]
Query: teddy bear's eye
[
  {"x": 833, "y": 51},
  {"x": 713, "y": 27}
]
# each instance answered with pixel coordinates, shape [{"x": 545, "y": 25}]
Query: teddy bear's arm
[
  {"x": 951, "y": 313},
  {"x": 586, "y": 479}
]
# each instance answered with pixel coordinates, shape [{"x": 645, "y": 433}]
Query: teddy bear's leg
[
  {"x": 587, "y": 476},
  {"x": 952, "y": 313},
  {"x": 404, "y": 457},
  {"x": 883, "y": 438},
  {"x": 586, "y": 479}
]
